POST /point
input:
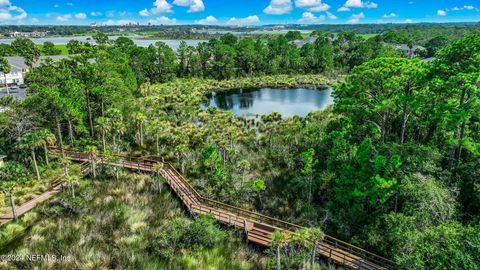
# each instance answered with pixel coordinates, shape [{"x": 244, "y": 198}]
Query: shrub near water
[{"x": 127, "y": 224}]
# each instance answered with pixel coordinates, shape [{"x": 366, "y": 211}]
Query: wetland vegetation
[{"x": 393, "y": 166}]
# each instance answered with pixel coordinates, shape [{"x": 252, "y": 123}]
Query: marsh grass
[
  {"x": 124, "y": 224},
  {"x": 32, "y": 187}
]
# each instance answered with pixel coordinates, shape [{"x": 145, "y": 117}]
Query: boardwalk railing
[
  {"x": 55, "y": 186},
  {"x": 339, "y": 251}
]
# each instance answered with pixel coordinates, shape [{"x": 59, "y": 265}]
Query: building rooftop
[
  {"x": 300, "y": 43},
  {"x": 18, "y": 63},
  {"x": 405, "y": 47}
]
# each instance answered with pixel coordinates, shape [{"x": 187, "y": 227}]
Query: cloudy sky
[{"x": 236, "y": 12}]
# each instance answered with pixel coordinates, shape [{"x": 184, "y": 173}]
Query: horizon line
[{"x": 244, "y": 26}]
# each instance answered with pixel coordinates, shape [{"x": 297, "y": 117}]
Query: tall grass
[{"x": 125, "y": 224}]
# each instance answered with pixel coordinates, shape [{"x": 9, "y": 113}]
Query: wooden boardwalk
[
  {"x": 29, "y": 205},
  {"x": 259, "y": 228}
]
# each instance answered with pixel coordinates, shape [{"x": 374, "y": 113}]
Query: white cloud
[
  {"x": 161, "y": 6},
  {"x": 96, "y": 13},
  {"x": 163, "y": 20},
  {"x": 441, "y": 12},
  {"x": 11, "y": 13},
  {"x": 34, "y": 20},
  {"x": 360, "y": 4},
  {"x": 357, "y": 4},
  {"x": 64, "y": 18},
  {"x": 244, "y": 21},
  {"x": 70, "y": 4},
  {"x": 110, "y": 14},
  {"x": 463, "y": 8},
  {"x": 278, "y": 7},
  {"x": 144, "y": 13},
  {"x": 122, "y": 13},
  {"x": 331, "y": 16},
  {"x": 182, "y": 3},
  {"x": 308, "y": 17},
  {"x": 391, "y": 15},
  {"x": 356, "y": 18},
  {"x": 195, "y": 5},
  {"x": 408, "y": 21},
  {"x": 312, "y": 5},
  {"x": 81, "y": 16},
  {"x": 209, "y": 20}
]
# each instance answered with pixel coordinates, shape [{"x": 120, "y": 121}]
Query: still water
[
  {"x": 174, "y": 44},
  {"x": 287, "y": 101}
]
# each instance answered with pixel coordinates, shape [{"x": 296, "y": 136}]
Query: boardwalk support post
[{"x": 338, "y": 252}]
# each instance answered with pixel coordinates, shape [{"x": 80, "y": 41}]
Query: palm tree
[
  {"x": 158, "y": 168},
  {"x": 103, "y": 124},
  {"x": 92, "y": 153},
  {"x": 120, "y": 129},
  {"x": 31, "y": 56},
  {"x": 316, "y": 235},
  {"x": 31, "y": 141},
  {"x": 11, "y": 174},
  {"x": 5, "y": 68},
  {"x": 140, "y": 118},
  {"x": 117, "y": 125},
  {"x": 279, "y": 240},
  {"x": 257, "y": 186},
  {"x": 145, "y": 88},
  {"x": 65, "y": 163},
  {"x": 113, "y": 160},
  {"x": 156, "y": 128},
  {"x": 182, "y": 151},
  {"x": 309, "y": 238},
  {"x": 72, "y": 180},
  {"x": 244, "y": 166},
  {"x": 48, "y": 139}
]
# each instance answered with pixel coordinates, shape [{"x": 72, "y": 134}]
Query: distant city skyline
[{"x": 241, "y": 12}]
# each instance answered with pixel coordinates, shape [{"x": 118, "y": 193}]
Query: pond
[{"x": 286, "y": 101}]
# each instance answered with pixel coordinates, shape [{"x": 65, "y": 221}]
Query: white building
[
  {"x": 14, "y": 77},
  {"x": 17, "y": 72},
  {"x": 19, "y": 69},
  {"x": 28, "y": 34}
]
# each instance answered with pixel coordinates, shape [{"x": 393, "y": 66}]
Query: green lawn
[
  {"x": 367, "y": 36},
  {"x": 63, "y": 48}
]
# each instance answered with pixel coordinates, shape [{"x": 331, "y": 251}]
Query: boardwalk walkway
[
  {"x": 259, "y": 227},
  {"x": 29, "y": 205}
]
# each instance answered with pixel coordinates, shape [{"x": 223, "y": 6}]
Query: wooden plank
[{"x": 258, "y": 232}]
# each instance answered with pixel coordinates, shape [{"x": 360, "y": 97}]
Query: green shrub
[{"x": 204, "y": 232}]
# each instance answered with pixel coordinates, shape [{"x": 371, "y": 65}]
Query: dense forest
[
  {"x": 392, "y": 167},
  {"x": 331, "y": 28}
]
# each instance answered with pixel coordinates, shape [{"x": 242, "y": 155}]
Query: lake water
[
  {"x": 287, "y": 101},
  {"x": 174, "y": 44}
]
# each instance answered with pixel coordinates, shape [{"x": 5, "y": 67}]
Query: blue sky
[{"x": 236, "y": 12}]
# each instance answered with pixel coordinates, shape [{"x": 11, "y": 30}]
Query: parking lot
[{"x": 16, "y": 92}]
